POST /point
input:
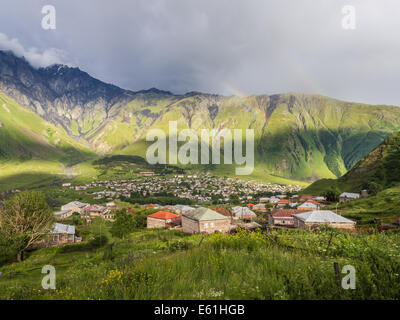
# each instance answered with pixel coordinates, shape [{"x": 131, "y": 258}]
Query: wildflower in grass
[{"x": 112, "y": 277}]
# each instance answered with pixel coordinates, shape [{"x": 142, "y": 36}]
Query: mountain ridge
[{"x": 298, "y": 136}]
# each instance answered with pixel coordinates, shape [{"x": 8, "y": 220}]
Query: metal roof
[
  {"x": 204, "y": 214},
  {"x": 308, "y": 205},
  {"x": 350, "y": 195},
  {"x": 322, "y": 216},
  {"x": 63, "y": 228},
  {"x": 60, "y": 213},
  {"x": 183, "y": 207},
  {"x": 242, "y": 211},
  {"x": 76, "y": 204}
]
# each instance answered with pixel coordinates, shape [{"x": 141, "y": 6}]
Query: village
[
  {"x": 201, "y": 188},
  {"x": 220, "y": 205}
]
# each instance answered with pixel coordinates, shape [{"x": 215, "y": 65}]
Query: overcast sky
[{"x": 218, "y": 46}]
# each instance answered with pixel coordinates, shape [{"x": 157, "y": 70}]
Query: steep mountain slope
[
  {"x": 59, "y": 93},
  {"x": 26, "y": 136},
  {"x": 32, "y": 149},
  {"x": 377, "y": 171},
  {"x": 381, "y": 166},
  {"x": 298, "y": 137}
]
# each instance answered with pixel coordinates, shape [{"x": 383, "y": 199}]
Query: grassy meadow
[{"x": 167, "y": 264}]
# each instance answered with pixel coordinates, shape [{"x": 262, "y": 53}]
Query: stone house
[
  {"x": 348, "y": 196},
  {"x": 283, "y": 217},
  {"x": 282, "y": 203},
  {"x": 312, "y": 219},
  {"x": 111, "y": 205},
  {"x": 76, "y": 206},
  {"x": 61, "y": 215},
  {"x": 63, "y": 234},
  {"x": 163, "y": 219},
  {"x": 243, "y": 213},
  {"x": 203, "y": 220},
  {"x": 261, "y": 208},
  {"x": 181, "y": 209},
  {"x": 309, "y": 205}
]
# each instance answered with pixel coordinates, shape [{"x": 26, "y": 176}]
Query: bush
[
  {"x": 177, "y": 245},
  {"x": 124, "y": 224}
]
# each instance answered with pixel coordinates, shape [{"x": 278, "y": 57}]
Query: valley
[{"x": 60, "y": 116}]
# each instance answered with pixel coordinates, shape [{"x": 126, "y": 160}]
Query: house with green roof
[{"x": 204, "y": 220}]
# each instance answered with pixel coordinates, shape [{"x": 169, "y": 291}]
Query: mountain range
[{"x": 62, "y": 114}]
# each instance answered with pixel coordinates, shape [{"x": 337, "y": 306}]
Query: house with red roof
[
  {"x": 150, "y": 206},
  {"x": 163, "y": 219},
  {"x": 313, "y": 201},
  {"x": 131, "y": 211},
  {"x": 260, "y": 207},
  {"x": 282, "y": 203}
]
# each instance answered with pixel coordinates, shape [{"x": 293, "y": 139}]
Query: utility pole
[{"x": 100, "y": 234}]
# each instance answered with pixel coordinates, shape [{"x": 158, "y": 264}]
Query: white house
[
  {"x": 75, "y": 206},
  {"x": 243, "y": 213},
  {"x": 63, "y": 234},
  {"x": 63, "y": 214},
  {"x": 309, "y": 205},
  {"x": 348, "y": 196},
  {"x": 310, "y": 219}
]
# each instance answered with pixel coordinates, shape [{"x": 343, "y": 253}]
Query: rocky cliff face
[{"x": 57, "y": 93}]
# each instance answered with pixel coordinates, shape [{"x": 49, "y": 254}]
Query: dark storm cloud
[{"x": 219, "y": 46}]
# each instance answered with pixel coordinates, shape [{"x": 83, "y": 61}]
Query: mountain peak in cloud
[{"x": 36, "y": 57}]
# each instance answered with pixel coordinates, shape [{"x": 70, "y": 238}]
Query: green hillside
[
  {"x": 298, "y": 137},
  {"x": 384, "y": 205},
  {"x": 33, "y": 150},
  {"x": 377, "y": 171}
]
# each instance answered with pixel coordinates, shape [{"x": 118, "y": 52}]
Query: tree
[
  {"x": 76, "y": 218},
  {"x": 25, "y": 220},
  {"x": 99, "y": 235},
  {"x": 123, "y": 225},
  {"x": 7, "y": 252},
  {"x": 332, "y": 194},
  {"x": 373, "y": 187}
]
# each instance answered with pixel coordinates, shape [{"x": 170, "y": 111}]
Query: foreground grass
[{"x": 169, "y": 265}]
